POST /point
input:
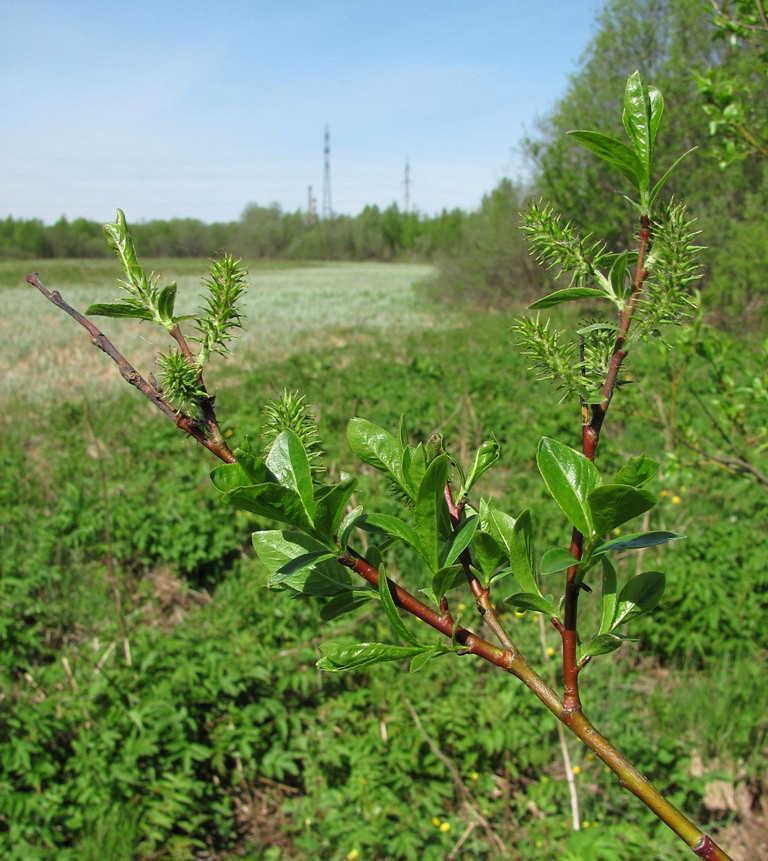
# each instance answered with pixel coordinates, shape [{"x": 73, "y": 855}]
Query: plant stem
[
  {"x": 215, "y": 445},
  {"x": 592, "y": 423},
  {"x": 511, "y": 661}
]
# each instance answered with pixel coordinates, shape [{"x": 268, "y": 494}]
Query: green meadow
[{"x": 157, "y": 701}]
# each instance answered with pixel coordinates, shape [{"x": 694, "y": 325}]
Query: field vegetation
[{"x": 158, "y": 702}]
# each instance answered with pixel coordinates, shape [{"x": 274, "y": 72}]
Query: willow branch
[{"x": 133, "y": 377}]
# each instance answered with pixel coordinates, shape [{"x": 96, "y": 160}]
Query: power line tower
[
  {"x": 327, "y": 208},
  {"x": 407, "y": 184}
]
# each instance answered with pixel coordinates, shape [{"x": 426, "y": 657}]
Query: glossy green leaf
[
  {"x": 636, "y": 119},
  {"x": 460, "y": 539},
  {"x": 617, "y": 154},
  {"x": 346, "y": 602},
  {"x": 570, "y": 478},
  {"x": 324, "y": 577},
  {"x": 445, "y": 579},
  {"x": 618, "y": 277},
  {"x": 640, "y": 595},
  {"x": 165, "y": 303},
  {"x": 431, "y": 511},
  {"x": 614, "y": 504},
  {"x": 374, "y": 446},
  {"x": 656, "y": 109},
  {"x": 288, "y": 462},
  {"x": 338, "y": 657},
  {"x": 391, "y": 611},
  {"x": 418, "y": 661},
  {"x": 602, "y": 644},
  {"x": 637, "y": 471},
  {"x": 249, "y": 469},
  {"x": 529, "y": 601},
  {"x": 522, "y": 553},
  {"x": 607, "y": 598},
  {"x": 485, "y": 457},
  {"x": 569, "y": 294},
  {"x": 348, "y": 524},
  {"x": 636, "y": 541},
  {"x": 488, "y": 555},
  {"x": 120, "y": 242},
  {"x": 272, "y": 501},
  {"x": 330, "y": 504},
  {"x": 119, "y": 309},
  {"x": 555, "y": 560},
  {"x": 298, "y": 564},
  {"x": 394, "y": 526}
]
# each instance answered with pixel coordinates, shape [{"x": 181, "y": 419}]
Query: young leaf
[
  {"x": 123, "y": 309},
  {"x": 602, "y": 644},
  {"x": 418, "y": 662},
  {"x": 529, "y": 601},
  {"x": 394, "y": 526},
  {"x": 288, "y": 462},
  {"x": 430, "y": 510},
  {"x": 657, "y": 188},
  {"x": 636, "y": 119},
  {"x": 330, "y": 503},
  {"x": 485, "y": 457},
  {"x": 460, "y": 539},
  {"x": 390, "y": 609},
  {"x": 165, "y": 303},
  {"x": 348, "y": 524},
  {"x": 521, "y": 555},
  {"x": 374, "y": 446},
  {"x": 614, "y": 504},
  {"x": 338, "y": 657},
  {"x": 570, "y": 478},
  {"x": 273, "y": 501},
  {"x": 640, "y": 595},
  {"x": 298, "y": 564},
  {"x": 636, "y": 541},
  {"x": 607, "y": 598},
  {"x": 617, "y": 154},
  {"x": 445, "y": 579},
  {"x": 323, "y": 577},
  {"x": 655, "y": 110},
  {"x": 488, "y": 554},
  {"x": 569, "y": 294},
  {"x": 555, "y": 560},
  {"x": 637, "y": 471},
  {"x": 345, "y": 602}
]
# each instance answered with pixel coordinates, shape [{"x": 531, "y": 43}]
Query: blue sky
[{"x": 195, "y": 109}]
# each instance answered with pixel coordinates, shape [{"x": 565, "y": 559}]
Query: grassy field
[{"x": 159, "y": 703}]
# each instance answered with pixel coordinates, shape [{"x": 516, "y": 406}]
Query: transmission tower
[{"x": 327, "y": 208}]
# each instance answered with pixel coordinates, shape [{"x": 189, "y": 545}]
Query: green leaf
[
  {"x": 273, "y": 501},
  {"x": 485, "y": 457},
  {"x": 375, "y": 446},
  {"x": 119, "y": 309},
  {"x": 330, "y": 503},
  {"x": 602, "y": 644},
  {"x": 323, "y": 577},
  {"x": 521, "y": 554},
  {"x": 656, "y": 109},
  {"x": 165, "y": 303},
  {"x": 636, "y": 541},
  {"x": 607, "y": 598},
  {"x": 300, "y": 563},
  {"x": 640, "y": 595},
  {"x": 488, "y": 555},
  {"x": 460, "y": 539},
  {"x": 445, "y": 579},
  {"x": 346, "y": 602},
  {"x": 555, "y": 560},
  {"x": 348, "y": 524},
  {"x": 418, "y": 662},
  {"x": 288, "y": 462},
  {"x": 431, "y": 511},
  {"x": 614, "y": 504},
  {"x": 637, "y": 471},
  {"x": 657, "y": 188},
  {"x": 394, "y": 526},
  {"x": 569, "y": 294},
  {"x": 120, "y": 242},
  {"x": 617, "y": 154},
  {"x": 570, "y": 478},
  {"x": 390, "y": 609},
  {"x": 338, "y": 657},
  {"x": 529, "y": 601},
  {"x": 617, "y": 278},
  {"x": 636, "y": 119}
]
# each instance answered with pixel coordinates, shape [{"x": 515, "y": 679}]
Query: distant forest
[{"x": 261, "y": 231}]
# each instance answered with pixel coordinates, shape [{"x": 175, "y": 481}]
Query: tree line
[{"x": 261, "y": 231}]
